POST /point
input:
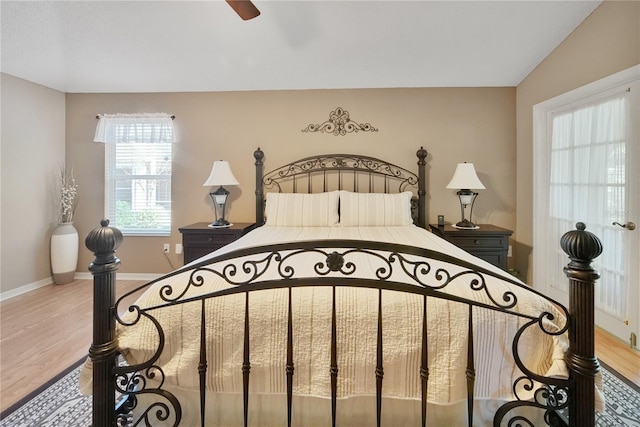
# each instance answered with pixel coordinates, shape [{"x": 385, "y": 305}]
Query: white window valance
[{"x": 136, "y": 127}]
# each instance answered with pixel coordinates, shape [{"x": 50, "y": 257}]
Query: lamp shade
[
  {"x": 221, "y": 175},
  {"x": 465, "y": 177}
]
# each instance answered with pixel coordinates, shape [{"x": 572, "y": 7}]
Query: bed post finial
[
  {"x": 103, "y": 242},
  {"x": 582, "y": 247},
  {"x": 422, "y": 187},
  {"x": 259, "y": 156}
]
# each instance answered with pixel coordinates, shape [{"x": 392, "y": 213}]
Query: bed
[{"x": 341, "y": 309}]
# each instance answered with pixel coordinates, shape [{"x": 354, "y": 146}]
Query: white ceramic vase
[{"x": 64, "y": 253}]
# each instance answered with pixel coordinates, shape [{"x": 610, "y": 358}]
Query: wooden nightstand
[
  {"x": 488, "y": 242},
  {"x": 199, "y": 239}
]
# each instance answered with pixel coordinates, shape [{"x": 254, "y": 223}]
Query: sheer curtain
[
  {"x": 137, "y": 127},
  {"x": 587, "y": 183}
]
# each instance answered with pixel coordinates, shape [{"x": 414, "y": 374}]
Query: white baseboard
[
  {"x": 25, "y": 288},
  {"x": 122, "y": 276},
  {"x": 78, "y": 276}
]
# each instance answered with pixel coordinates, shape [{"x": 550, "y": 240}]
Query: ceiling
[{"x": 183, "y": 46}]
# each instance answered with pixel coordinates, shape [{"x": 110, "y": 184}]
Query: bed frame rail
[{"x": 576, "y": 393}]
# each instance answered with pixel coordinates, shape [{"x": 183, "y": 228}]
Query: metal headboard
[{"x": 351, "y": 172}]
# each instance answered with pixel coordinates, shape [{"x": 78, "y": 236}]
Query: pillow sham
[
  {"x": 302, "y": 209},
  {"x": 375, "y": 209}
]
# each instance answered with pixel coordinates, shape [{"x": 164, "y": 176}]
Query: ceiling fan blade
[{"x": 244, "y": 8}]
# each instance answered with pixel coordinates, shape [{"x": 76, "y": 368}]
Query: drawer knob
[
  {"x": 211, "y": 239},
  {"x": 476, "y": 242}
]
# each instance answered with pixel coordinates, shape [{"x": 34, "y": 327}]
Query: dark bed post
[
  {"x": 582, "y": 247},
  {"x": 259, "y": 156},
  {"x": 422, "y": 186},
  {"x": 103, "y": 242}
]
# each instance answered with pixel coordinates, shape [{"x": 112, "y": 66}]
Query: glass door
[{"x": 593, "y": 176}]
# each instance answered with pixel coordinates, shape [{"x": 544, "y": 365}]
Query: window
[{"x": 138, "y": 159}]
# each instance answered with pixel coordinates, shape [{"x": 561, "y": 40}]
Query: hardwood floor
[
  {"x": 616, "y": 353},
  {"x": 47, "y": 330},
  {"x": 43, "y": 332}
]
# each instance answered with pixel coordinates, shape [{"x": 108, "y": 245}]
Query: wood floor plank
[
  {"x": 45, "y": 331},
  {"x": 617, "y": 354}
]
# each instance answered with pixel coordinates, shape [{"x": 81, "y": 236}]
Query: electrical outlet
[
  {"x": 178, "y": 248},
  {"x": 510, "y": 251},
  {"x": 167, "y": 247}
]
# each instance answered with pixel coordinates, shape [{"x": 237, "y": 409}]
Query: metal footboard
[{"x": 252, "y": 269}]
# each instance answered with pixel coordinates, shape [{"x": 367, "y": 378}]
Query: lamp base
[
  {"x": 220, "y": 224},
  {"x": 465, "y": 224}
]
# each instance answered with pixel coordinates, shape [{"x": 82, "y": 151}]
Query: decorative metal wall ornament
[{"x": 339, "y": 123}]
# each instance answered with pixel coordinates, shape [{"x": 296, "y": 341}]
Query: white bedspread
[{"x": 356, "y": 326}]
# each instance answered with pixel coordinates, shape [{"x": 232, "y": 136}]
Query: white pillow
[
  {"x": 302, "y": 209},
  {"x": 375, "y": 209}
]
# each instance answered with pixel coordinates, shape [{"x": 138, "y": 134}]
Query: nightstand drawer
[
  {"x": 219, "y": 238},
  {"x": 484, "y": 242}
]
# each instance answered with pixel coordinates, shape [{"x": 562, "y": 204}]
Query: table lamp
[
  {"x": 220, "y": 175},
  {"x": 465, "y": 180}
]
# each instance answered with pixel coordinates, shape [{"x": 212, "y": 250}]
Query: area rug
[{"x": 59, "y": 403}]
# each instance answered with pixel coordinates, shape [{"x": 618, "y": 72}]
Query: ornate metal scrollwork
[
  {"x": 155, "y": 412},
  {"x": 133, "y": 381},
  {"x": 549, "y": 394},
  {"x": 388, "y": 266},
  {"x": 279, "y": 262},
  {"x": 335, "y": 261},
  {"x": 251, "y": 270},
  {"x": 339, "y": 124},
  {"x": 341, "y": 162}
]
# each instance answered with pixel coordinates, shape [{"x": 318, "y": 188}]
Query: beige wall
[
  {"x": 608, "y": 41},
  {"x": 480, "y": 122},
  {"x": 454, "y": 124},
  {"x": 33, "y": 149}
]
